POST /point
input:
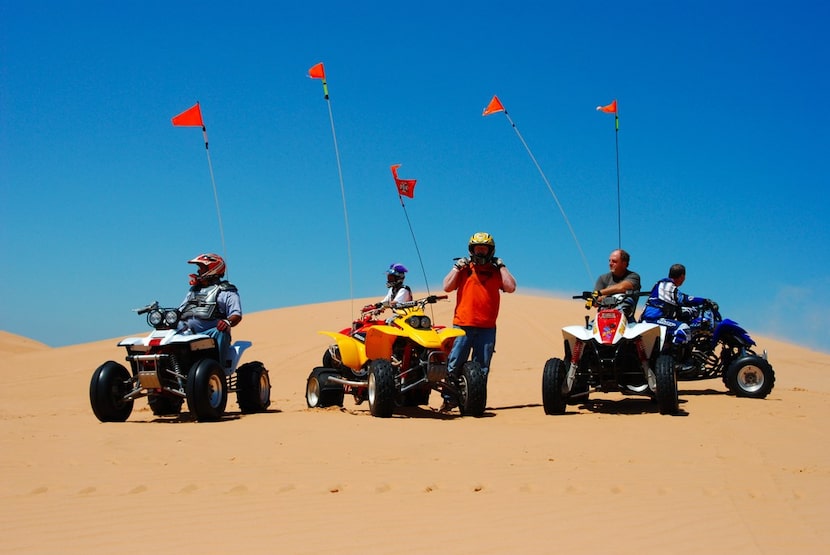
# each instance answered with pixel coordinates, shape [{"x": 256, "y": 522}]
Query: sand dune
[{"x": 727, "y": 475}]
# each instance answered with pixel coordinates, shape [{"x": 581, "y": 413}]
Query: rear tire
[
  {"x": 667, "y": 399},
  {"x": 552, "y": 378},
  {"x": 473, "y": 385},
  {"x": 381, "y": 388},
  {"x": 207, "y": 390},
  {"x": 253, "y": 388},
  {"x": 319, "y": 393},
  {"x": 750, "y": 376},
  {"x": 110, "y": 383}
]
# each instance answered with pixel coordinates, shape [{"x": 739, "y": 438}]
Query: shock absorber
[{"x": 176, "y": 369}]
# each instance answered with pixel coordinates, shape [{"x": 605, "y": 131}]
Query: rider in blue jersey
[{"x": 669, "y": 307}]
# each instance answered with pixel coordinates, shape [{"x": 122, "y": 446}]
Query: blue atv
[{"x": 721, "y": 348}]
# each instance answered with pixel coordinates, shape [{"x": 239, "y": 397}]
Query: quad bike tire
[
  {"x": 666, "y": 394},
  {"x": 253, "y": 388},
  {"x": 319, "y": 393},
  {"x": 110, "y": 383},
  {"x": 382, "y": 392},
  {"x": 553, "y": 376},
  {"x": 750, "y": 376},
  {"x": 165, "y": 405},
  {"x": 473, "y": 388},
  {"x": 207, "y": 390}
]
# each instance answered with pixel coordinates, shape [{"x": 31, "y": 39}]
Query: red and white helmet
[{"x": 211, "y": 268}]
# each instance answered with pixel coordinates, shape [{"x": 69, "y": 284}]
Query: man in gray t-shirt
[{"x": 620, "y": 280}]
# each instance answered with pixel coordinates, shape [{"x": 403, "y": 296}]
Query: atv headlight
[
  {"x": 171, "y": 317},
  {"x": 419, "y": 322},
  {"x": 155, "y": 317}
]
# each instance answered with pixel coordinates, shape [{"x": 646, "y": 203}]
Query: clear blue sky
[{"x": 723, "y": 147}]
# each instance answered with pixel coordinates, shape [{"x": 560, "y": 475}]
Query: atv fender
[
  {"x": 650, "y": 334},
  {"x": 237, "y": 349},
  {"x": 379, "y": 339},
  {"x": 196, "y": 341},
  {"x": 352, "y": 351}
]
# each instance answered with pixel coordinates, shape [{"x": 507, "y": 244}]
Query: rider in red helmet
[{"x": 211, "y": 306}]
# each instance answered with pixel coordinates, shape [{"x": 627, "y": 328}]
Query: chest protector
[{"x": 204, "y": 304}]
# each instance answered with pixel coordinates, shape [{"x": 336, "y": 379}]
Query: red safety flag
[
  {"x": 317, "y": 71},
  {"x": 406, "y": 187},
  {"x": 192, "y": 117},
  {"x": 494, "y": 106},
  {"x": 610, "y": 108}
]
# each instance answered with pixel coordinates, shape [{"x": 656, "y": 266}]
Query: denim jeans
[
  {"x": 482, "y": 343},
  {"x": 223, "y": 343}
]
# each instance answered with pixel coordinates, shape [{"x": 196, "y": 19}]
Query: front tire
[
  {"x": 381, "y": 388},
  {"x": 319, "y": 393},
  {"x": 473, "y": 385},
  {"x": 750, "y": 376},
  {"x": 111, "y": 382},
  {"x": 553, "y": 376},
  {"x": 207, "y": 390},
  {"x": 667, "y": 399},
  {"x": 253, "y": 388}
]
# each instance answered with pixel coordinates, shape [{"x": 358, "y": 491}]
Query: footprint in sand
[
  {"x": 138, "y": 489},
  {"x": 236, "y": 490},
  {"x": 87, "y": 490},
  {"x": 190, "y": 488},
  {"x": 383, "y": 488},
  {"x": 37, "y": 491}
]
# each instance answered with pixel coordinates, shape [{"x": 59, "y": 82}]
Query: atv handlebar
[
  {"x": 370, "y": 310},
  {"x": 592, "y": 298},
  {"x": 432, "y": 299},
  {"x": 146, "y": 309}
]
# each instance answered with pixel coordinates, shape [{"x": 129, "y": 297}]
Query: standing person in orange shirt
[{"x": 479, "y": 281}]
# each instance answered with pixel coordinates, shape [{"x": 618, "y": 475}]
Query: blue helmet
[{"x": 395, "y": 275}]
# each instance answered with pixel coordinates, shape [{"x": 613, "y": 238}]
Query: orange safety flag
[
  {"x": 317, "y": 71},
  {"x": 494, "y": 106},
  {"x": 192, "y": 117},
  {"x": 406, "y": 187},
  {"x": 610, "y": 108}
]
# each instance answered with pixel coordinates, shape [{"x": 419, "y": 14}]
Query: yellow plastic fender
[
  {"x": 379, "y": 339},
  {"x": 352, "y": 351}
]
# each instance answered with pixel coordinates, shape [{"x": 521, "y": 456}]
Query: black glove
[
  {"x": 498, "y": 262},
  {"x": 461, "y": 263}
]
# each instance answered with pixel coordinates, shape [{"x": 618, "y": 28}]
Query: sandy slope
[{"x": 727, "y": 475}]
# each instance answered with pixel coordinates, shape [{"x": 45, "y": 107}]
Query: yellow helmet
[{"x": 482, "y": 238}]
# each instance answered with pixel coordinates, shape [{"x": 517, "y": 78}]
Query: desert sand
[{"x": 726, "y": 475}]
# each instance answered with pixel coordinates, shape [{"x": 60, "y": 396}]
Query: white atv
[
  {"x": 610, "y": 354},
  {"x": 169, "y": 366}
]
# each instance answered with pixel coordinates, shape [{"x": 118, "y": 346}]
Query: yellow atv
[{"x": 395, "y": 363}]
